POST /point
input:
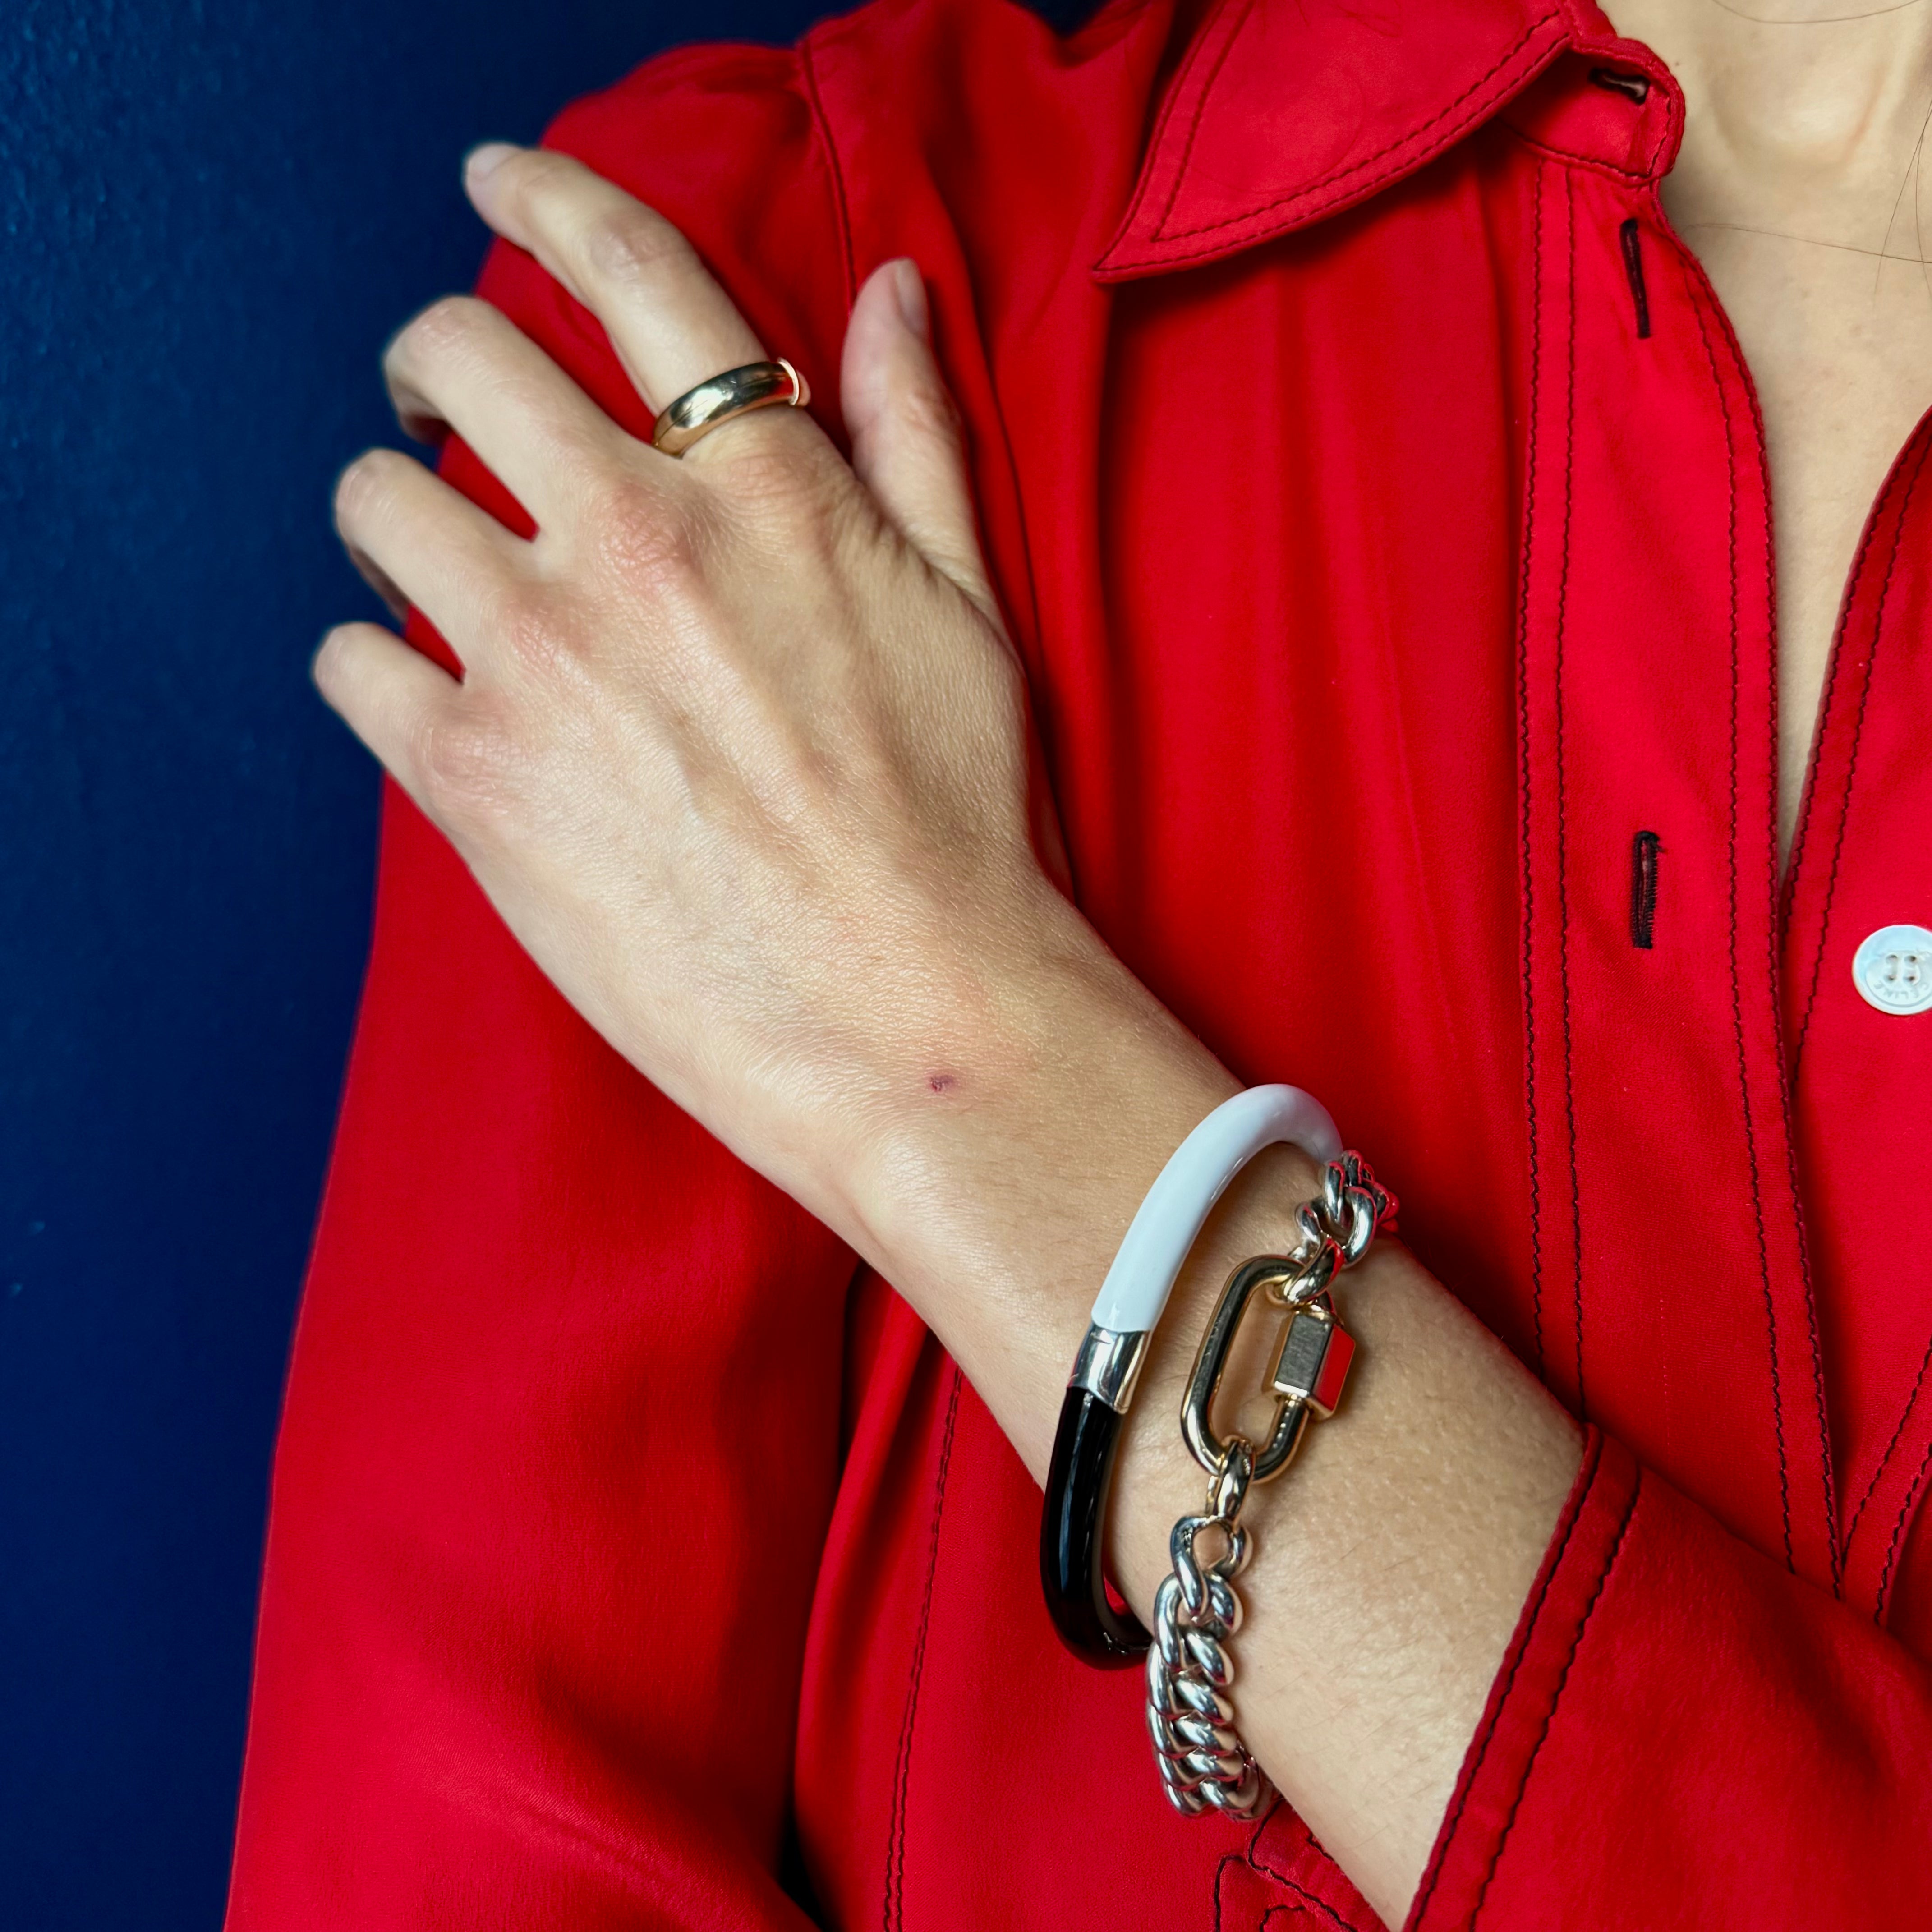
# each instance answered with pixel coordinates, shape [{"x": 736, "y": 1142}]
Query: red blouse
[{"x": 1379, "y": 498}]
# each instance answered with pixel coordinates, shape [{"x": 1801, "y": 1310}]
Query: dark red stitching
[
  {"x": 1905, "y": 1510},
  {"x": 1252, "y": 1851},
  {"x": 1200, "y": 111},
  {"x": 1737, "y": 988},
  {"x": 1261, "y": 1865},
  {"x": 1314, "y": 1899},
  {"x": 1784, "y": 899},
  {"x": 1556, "y": 1697},
  {"x": 1787, "y": 1073},
  {"x": 1220, "y": 1873},
  {"x": 840, "y": 204},
  {"x": 1773, "y": 968},
  {"x": 1904, "y": 1417},
  {"x": 894, "y": 1897},
  {"x": 1563, "y": 795},
  {"x": 1522, "y": 738},
  {"x": 1834, "y": 1544},
  {"x": 1564, "y": 157},
  {"x": 1586, "y": 1481},
  {"x": 1170, "y": 103},
  {"x": 1416, "y": 137},
  {"x": 1852, "y": 766}
]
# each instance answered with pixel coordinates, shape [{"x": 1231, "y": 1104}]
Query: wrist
[{"x": 993, "y": 1190}]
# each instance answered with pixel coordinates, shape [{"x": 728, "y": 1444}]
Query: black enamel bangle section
[
  {"x": 1072, "y": 1524},
  {"x": 1072, "y": 1569}
]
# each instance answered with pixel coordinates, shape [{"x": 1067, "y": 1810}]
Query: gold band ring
[{"x": 696, "y": 413}]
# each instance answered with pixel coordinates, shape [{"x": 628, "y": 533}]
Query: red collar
[{"x": 1282, "y": 111}]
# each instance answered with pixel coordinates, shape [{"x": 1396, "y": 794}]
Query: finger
[
  {"x": 671, "y": 325},
  {"x": 906, "y": 442},
  {"x": 391, "y": 696},
  {"x": 464, "y": 363},
  {"x": 419, "y": 542}
]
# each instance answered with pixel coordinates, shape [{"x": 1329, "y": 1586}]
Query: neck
[{"x": 1806, "y": 116}]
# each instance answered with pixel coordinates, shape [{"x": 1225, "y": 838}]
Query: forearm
[{"x": 1393, "y": 1561}]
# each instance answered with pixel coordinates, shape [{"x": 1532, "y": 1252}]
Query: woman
[{"x": 1372, "y": 619}]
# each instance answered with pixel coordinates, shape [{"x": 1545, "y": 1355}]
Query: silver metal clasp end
[{"x": 1108, "y": 1364}]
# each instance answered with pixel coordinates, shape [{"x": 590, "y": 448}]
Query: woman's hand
[
  {"x": 741, "y": 750},
  {"x": 741, "y": 755}
]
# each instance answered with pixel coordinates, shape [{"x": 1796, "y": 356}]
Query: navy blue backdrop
[{"x": 214, "y": 211}]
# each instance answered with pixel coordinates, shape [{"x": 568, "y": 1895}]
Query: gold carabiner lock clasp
[{"x": 1311, "y": 1365}]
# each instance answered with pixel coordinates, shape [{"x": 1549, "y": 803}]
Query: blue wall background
[{"x": 212, "y": 213}]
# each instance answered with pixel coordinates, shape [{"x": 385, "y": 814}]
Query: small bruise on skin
[{"x": 941, "y": 1083}]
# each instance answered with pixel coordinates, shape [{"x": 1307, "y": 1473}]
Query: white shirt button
[{"x": 1893, "y": 969}]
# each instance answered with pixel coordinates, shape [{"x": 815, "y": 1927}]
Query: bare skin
[
  {"x": 1799, "y": 188},
  {"x": 741, "y": 756}
]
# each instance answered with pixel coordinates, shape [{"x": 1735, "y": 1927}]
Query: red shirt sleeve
[
  {"x": 1684, "y": 1734},
  {"x": 561, "y": 1433}
]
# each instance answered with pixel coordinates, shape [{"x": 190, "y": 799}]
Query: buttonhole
[
  {"x": 1644, "y": 849},
  {"x": 1630, "y": 239},
  {"x": 1632, "y": 86}
]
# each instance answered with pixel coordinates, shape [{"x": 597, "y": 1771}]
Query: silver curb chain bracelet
[{"x": 1190, "y": 1715}]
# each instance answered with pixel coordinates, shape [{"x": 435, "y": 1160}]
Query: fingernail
[
  {"x": 485, "y": 159},
  {"x": 909, "y": 290}
]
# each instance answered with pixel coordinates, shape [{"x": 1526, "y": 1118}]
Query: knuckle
[
  {"x": 577, "y": 450},
  {"x": 448, "y": 325},
  {"x": 365, "y": 486},
  {"x": 641, "y": 539},
  {"x": 926, "y": 409},
  {"x": 465, "y": 764},
  {"x": 631, "y": 247},
  {"x": 534, "y": 176},
  {"x": 527, "y": 629}
]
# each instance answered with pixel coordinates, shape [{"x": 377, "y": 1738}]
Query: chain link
[
  {"x": 1202, "y": 1761},
  {"x": 1190, "y": 1717}
]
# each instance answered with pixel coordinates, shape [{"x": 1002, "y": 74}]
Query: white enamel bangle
[
  {"x": 1129, "y": 1304},
  {"x": 1197, "y": 1174}
]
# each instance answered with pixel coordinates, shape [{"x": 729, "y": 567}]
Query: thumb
[{"x": 906, "y": 443}]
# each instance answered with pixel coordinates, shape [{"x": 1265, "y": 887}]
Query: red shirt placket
[{"x": 1667, "y": 1273}]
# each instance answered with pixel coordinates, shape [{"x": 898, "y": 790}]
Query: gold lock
[{"x": 1313, "y": 1363}]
